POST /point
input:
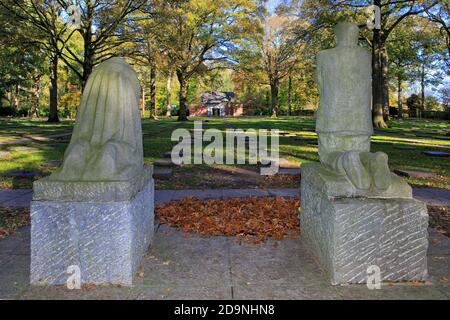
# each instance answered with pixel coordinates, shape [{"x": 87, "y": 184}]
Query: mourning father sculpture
[
  {"x": 96, "y": 211},
  {"x": 344, "y": 121},
  {"x": 355, "y": 213}
]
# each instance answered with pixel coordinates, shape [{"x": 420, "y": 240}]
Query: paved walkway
[
  {"x": 22, "y": 197},
  {"x": 26, "y": 139},
  {"x": 188, "y": 266}
]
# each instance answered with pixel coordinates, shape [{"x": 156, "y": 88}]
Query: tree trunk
[
  {"x": 400, "y": 97},
  {"x": 53, "y": 110},
  {"x": 16, "y": 103},
  {"x": 274, "y": 97},
  {"x": 10, "y": 97},
  {"x": 169, "y": 93},
  {"x": 36, "y": 97},
  {"x": 153, "y": 89},
  {"x": 385, "y": 80},
  {"x": 88, "y": 61},
  {"x": 422, "y": 89},
  {"x": 182, "y": 97},
  {"x": 377, "y": 82},
  {"x": 143, "y": 101},
  {"x": 290, "y": 95}
]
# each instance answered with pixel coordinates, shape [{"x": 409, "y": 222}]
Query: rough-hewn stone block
[
  {"x": 349, "y": 234},
  {"x": 100, "y": 191},
  {"x": 105, "y": 239}
]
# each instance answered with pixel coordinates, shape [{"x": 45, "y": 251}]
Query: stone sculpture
[
  {"x": 356, "y": 215},
  {"x": 106, "y": 143},
  {"x": 96, "y": 212},
  {"x": 344, "y": 122}
]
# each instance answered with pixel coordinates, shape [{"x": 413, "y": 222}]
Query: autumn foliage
[
  {"x": 254, "y": 219},
  {"x": 11, "y": 219}
]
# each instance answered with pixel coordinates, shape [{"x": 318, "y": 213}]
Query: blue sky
[{"x": 272, "y": 4}]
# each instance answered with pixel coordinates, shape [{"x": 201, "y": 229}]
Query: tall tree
[
  {"x": 429, "y": 63},
  {"x": 38, "y": 23},
  {"x": 169, "y": 92},
  {"x": 201, "y": 35},
  {"x": 444, "y": 93},
  {"x": 279, "y": 55},
  {"x": 402, "y": 50},
  {"x": 290, "y": 95},
  {"x": 325, "y": 13},
  {"x": 441, "y": 15},
  {"x": 103, "y": 29}
]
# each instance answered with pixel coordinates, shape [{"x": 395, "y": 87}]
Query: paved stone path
[
  {"x": 16, "y": 198},
  {"x": 412, "y": 140},
  {"x": 26, "y": 139},
  {"x": 188, "y": 266},
  {"x": 22, "y": 197},
  {"x": 433, "y": 196}
]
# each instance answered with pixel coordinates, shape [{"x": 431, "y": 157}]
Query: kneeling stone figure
[
  {"x": 355, "y": 213},
  {"x": 344, "y": 122}
]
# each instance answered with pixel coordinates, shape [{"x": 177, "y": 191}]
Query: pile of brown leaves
[
  {"x": 440, "y": 219},
  {"x": 11, "y": 219},
  {"x": 255, "y": 219}
]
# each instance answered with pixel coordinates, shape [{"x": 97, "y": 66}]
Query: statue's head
[{"x": 347, "y": 34}]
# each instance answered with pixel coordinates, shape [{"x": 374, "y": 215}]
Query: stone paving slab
[
  {"x": 17, "y": 244},
  {"x": 289, "y": 171},
  {"x": 15, "y": 274},
  {"x": 184, "y": 293},
  {"x": 292, "y": 193},
  {"x": 405, "y": 148},
  {"x": 415, "y": 173},
  {"x": 30, "y": 138},
  {"x": 187, "y": 266},
  {"x": 21, "y": 173},
  {"x": 61, "y": 293},
  {"x": 243, "y": 193},
  {"x": 4, "y": 258},
  {"x": 432, "y": 196},
  {"x": 393, "y": 292},
  {"x": 162, "y": 173},
  {"x": 16, "y": 198},
  {"x": 196, "y": 261},
  {"x": 20, "y": 202},
  {"x": 439, "y": 245},
  {"x": 437, "y": 154},
  {"x": 164, "y": 163},
  {"x": 22, "y": 197},
  {"x": 163, "y": 196}
]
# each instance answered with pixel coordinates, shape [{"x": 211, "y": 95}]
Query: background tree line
[{"x": 182, "y": 47}]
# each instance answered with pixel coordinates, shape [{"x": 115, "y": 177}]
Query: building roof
[{"x": 216, "y": 97}]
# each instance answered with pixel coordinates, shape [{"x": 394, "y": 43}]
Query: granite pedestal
[
  {"x": 349, "y": 230},
  {"x": 104, "y": 228}
]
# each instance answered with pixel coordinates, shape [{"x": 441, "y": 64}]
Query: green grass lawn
[{"x": 423, "y": 135}]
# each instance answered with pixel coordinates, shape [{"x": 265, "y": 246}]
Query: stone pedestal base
[
  {"x": 105, "y": 239},
  {"x": 349, "y": 234}
]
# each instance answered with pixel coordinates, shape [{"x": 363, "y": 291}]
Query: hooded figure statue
[{"x": 106, "y": 143}]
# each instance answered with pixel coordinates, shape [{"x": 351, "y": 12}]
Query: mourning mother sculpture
[
  {"x": 95, "y": 214},
  {"x": 106, "y": 143}
]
